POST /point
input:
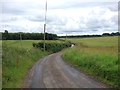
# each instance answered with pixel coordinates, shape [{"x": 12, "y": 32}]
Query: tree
[
  {"x": 27, "y": 36},
  {"x": 5, "y": 35},
  {"x": 106, "y": 34}
]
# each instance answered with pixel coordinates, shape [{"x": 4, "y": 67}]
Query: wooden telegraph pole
[
  {"x": 45, "y": 23},
  {"x": 21, "y": 39},
  {"x": 66, "y": 38}
]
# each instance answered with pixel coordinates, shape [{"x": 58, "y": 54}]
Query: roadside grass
[
  {"x": 16, "y": 61},
  {"x": 97, "y": 57}
]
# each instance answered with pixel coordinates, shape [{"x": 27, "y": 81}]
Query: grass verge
[
  {"x": 15, "y": 63},
  {"x": 96, "y": 56},
  {"x": 104, "y": 66}
]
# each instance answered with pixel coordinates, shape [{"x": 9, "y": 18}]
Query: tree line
[
  {"x": 28, "y": 36},
  {"x": 86, "y": 36},
  {"x": 48, "y": 36}
]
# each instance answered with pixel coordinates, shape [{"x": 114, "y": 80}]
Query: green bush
[{"x": 52, "y": 46}]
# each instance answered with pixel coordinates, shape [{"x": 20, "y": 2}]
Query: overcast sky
[{"x": 71, "y": 17}]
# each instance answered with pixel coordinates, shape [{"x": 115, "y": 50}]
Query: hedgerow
[{"x": 52, "y": 46}]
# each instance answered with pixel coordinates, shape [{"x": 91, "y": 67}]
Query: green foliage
[
  {"x": 28, "y": 36},
  {"x": 52, "y": 46},
  {"x": 15, "y": 63}
]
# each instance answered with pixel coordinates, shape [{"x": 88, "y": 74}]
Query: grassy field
[
  {"x": 25, "y": 43},
  {"x": 17, "y": 60},
  {"x": 17, "y": 43},
  {"x": 97, "y": 57},
  {"x": 98, "y": 41}
]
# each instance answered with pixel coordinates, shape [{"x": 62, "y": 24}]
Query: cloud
[
  {"x": 36, "y": 18},
  {"x": 12, "y": 8},
  {"x": 63, "y": 17}
]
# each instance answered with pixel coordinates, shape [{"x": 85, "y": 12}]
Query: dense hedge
[{"x": 52, "y": 46}]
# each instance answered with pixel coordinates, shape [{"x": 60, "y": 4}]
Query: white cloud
[{"x": 63, "y": 16}]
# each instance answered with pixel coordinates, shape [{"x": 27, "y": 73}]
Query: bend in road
[{"x": 53, "y": 72}]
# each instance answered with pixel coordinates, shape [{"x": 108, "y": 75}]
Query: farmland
[
  {"x": 25, "y": 43},
  {"x": 95, "y": 56}
]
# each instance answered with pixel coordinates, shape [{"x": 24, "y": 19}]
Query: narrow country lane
[{"x": 53, "y": 72}]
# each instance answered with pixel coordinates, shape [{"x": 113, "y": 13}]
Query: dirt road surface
[{"x": 53, "y": 72}]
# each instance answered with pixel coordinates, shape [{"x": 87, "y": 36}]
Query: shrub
[{"x": 52, "y": 46}]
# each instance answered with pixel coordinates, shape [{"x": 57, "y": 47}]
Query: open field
[
  {"x": 96, "y": 41},
  {"x": 96, "y": 56},
  {"x": 25, "y": 43}
]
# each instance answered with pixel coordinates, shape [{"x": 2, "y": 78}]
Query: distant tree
[
  {"x": 6, "y": 31},
  {"x": 5, "y": 35},
  {"x": 28, "y": 36},
  {"x": 106, "y": 34},
  {"x": 115, "y": 34}
]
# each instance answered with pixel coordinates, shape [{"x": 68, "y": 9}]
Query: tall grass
[
  {"x": 15, "y": 62},
  {"x": 100, "y": 61}
]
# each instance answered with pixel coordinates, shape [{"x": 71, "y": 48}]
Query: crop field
[
  {"x": 97, "y": 57},
  {"x": 96, "y": 41}
]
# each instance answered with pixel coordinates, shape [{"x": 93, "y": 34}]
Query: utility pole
[
  {"x": 45, "y": 23},
  {"x": 66, "y": 38},
  {"x": 21, "y": 39}
]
